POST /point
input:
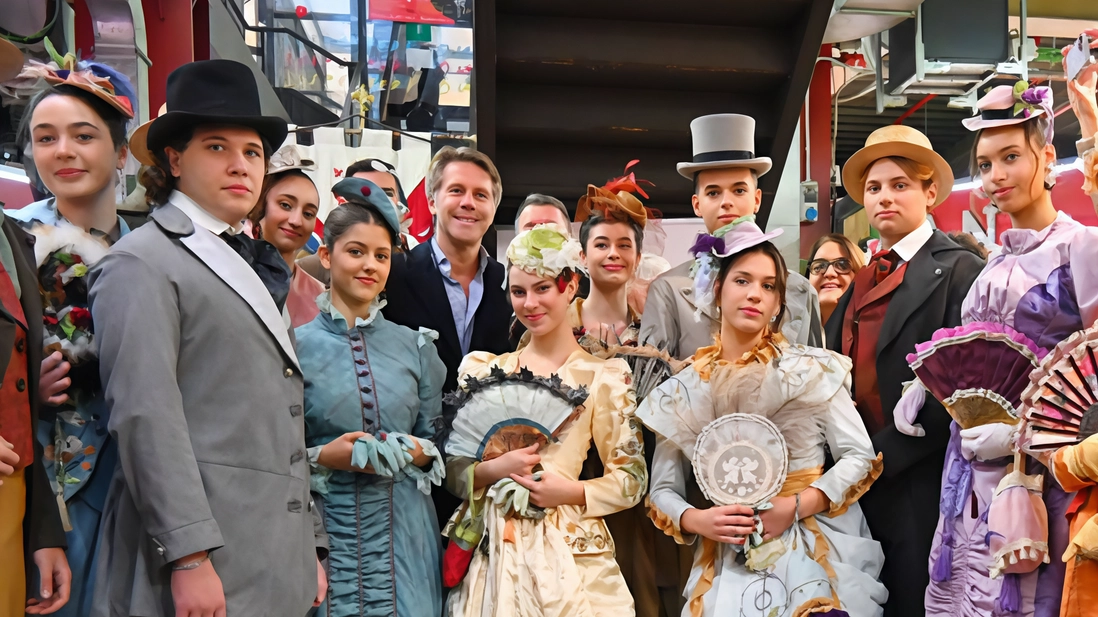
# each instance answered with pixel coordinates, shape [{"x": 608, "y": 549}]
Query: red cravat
[{"x": 883, "y": 263}]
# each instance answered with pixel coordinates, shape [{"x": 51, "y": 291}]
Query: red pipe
[{"x": 914, "y": 108}]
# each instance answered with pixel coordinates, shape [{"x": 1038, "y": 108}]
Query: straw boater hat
[
  {"x": 897, "y": 140},
  {"x": 722, "y": 141},
  {"x": 138, "y": 143},
  {"x": 11, "y": 60},
  {"x": 211, "y": 92}
]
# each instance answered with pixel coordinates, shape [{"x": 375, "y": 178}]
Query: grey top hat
[{"x": 722, "y": 141}]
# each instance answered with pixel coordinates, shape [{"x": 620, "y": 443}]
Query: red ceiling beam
[{"x": 914, "y": 108}]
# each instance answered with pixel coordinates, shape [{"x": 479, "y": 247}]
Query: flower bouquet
[{"x": 64, "y": 258}]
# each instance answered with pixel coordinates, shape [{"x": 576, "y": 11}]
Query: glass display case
[{"x": 408, "y": 62}]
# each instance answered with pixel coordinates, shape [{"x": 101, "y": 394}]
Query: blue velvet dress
[{"x": 386, "y": 380}]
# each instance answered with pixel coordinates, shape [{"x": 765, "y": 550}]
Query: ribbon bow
[
  {"x": 617, "y": 199},
  {"x": 706, "y": 243},
  {"x": 1030, "y": 100}
]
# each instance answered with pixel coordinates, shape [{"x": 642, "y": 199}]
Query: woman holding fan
[
  {"x": 748, "y": 422},
  {"x": 534, "y": 532},
  {"x": 1065, "y": 386},
  {"x": 1040, "y": 288}
]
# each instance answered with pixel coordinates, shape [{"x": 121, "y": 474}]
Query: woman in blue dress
[
  {"x": 76, "y": 133},
  {"x": 372, "y": 392}
]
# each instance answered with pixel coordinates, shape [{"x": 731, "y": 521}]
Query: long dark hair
[{"x": 781, "y": 275}]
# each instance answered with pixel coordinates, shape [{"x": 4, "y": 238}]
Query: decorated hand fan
[
  {"x": 740, "y": 459},
  {"x": 1060, "y": 405},
  {"x": 650, "y": 366},
  {"x": 978, "y": 371},
  {"x": 505, "y": 412}
]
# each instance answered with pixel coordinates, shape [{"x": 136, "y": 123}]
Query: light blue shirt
[
  {"x": 463, "y": 307},
  {"x": 45, "y": 212}
]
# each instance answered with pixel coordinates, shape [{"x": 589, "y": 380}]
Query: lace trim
[
  {"x": 707, "y": 358},
  {"x": 855, "y": 492},
  {"x": 1019, "y": 550},
  {"x": 663, "y": 522}
]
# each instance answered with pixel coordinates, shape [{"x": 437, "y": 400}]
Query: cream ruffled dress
[
  {"x": 562, "y": 564},
  {"x": 825, "y": 562}
]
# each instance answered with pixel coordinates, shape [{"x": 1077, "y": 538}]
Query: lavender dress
[{"x": 1045, "y": 285}]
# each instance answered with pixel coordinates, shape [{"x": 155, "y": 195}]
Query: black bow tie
[{"x": 266, "y": 261}]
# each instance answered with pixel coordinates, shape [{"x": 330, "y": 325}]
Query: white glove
[
  {"x": 988, "y": 442},
  {"x": 908, "y": 408}
]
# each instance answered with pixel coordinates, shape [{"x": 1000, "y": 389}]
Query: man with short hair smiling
[
  {"x": 209, "y": 512},
  {"x": 453, "y": 270},
  {"x": 451, "y": 284},
  {"x": 538, "y": 209},
  {"x": 725, "y": 172}
]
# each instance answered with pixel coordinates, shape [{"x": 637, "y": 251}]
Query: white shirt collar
[
  {"x": 199, "y": 216},
  {"x": 913, "y": 242}
]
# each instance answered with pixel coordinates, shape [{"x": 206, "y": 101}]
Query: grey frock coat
[
  {"x": 205, "y": 391},
  {"x": 668, "y": 322}
]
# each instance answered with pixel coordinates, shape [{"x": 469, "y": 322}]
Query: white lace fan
[
  {"x": 740, "y": 459},
  {"x": 505, "y": 412}
]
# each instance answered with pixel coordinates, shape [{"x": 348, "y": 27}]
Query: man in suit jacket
[
  {"x": 32, "y": 540},
  {"x": 912, "y": 287},
  {"x": 209, "y": 511},
  {"x": 451, "y": 284},
  {"x": 726, "y": 175}
]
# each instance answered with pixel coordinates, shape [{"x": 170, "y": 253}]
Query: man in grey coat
[
  {"x": 725, "y": 172},
  {"x": 209, "y": 511}
]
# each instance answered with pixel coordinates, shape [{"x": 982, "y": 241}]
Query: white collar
[
  {"x": 913, "y": 242},
  {"x": 200, "y": 216}
]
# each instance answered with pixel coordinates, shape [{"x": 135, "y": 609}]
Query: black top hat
[{"x": 213, "y": 92}]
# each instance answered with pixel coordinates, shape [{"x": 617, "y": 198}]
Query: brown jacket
[{"x": 42, "y": 523}]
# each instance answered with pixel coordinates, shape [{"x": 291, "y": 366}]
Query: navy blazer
[{"x": 417, "y": 299}]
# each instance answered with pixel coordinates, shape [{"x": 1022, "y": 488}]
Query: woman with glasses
[{"x": 831, "y": 268}]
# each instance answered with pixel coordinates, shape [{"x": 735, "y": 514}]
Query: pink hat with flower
[{"x": 1009, "y": 105}]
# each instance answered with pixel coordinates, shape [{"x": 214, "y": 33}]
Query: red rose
[{"x": 80, "y": 317}]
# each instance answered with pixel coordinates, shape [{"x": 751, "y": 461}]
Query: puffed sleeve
[
  {"x": 432, "y": 374},
  {"x": 1084, "y": 256},
  {"x": 856, "y": 467},
  {"x": 659, "y": 328},
  {"x": 616, "y": 433},
  {"x": 1076, "y": 468},
  {"x": 666, "y": 499}
]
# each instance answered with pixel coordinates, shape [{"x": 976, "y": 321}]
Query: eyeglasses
[{"x": 819, "y": 266}]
